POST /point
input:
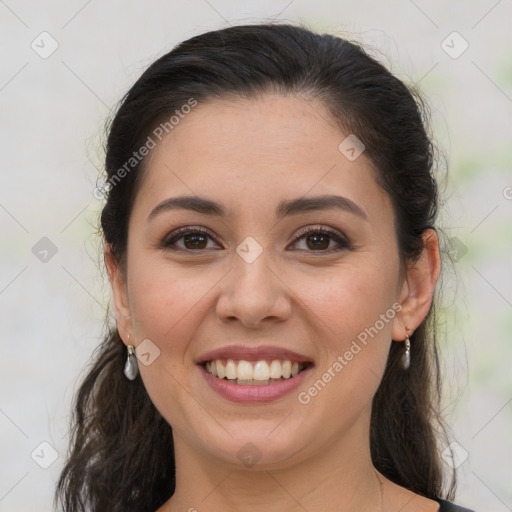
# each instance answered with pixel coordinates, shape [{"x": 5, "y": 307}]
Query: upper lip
[{"x": 248, "y": 353}]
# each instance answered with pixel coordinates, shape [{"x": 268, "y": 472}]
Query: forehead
[
  {"x": 274, "y": 128},
  {"x": 253, "y": 152}
]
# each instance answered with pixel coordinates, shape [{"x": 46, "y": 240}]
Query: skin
[{"x": 249, "y": 155}]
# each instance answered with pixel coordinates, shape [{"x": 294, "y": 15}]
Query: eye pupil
[
  {"x": 194, "y": 237},
  {"x": 316, "y": 237}
]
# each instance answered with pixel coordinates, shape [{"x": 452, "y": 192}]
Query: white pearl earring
[
  {"x": 131, "y": 368},
  {"x": 406, "y": 356}
]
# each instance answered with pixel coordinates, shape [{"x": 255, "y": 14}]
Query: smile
[
  {"x": 262, "y": 372},
  {"x": 249, "y": 389}
]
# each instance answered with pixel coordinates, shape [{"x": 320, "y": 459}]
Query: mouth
[{"x": 255, "y": 373}]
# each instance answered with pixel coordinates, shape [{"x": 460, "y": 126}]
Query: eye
[
  {"x": 193, "y": 238},
  {"x": 318, "y": 239}
]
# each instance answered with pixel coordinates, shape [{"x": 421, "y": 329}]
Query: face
[{"x": 324, "y": 283}]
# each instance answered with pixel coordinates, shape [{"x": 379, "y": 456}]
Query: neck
[{"x": 340, "y": 476}]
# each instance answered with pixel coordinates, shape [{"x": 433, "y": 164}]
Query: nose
[{"x": 254, "y": 293}]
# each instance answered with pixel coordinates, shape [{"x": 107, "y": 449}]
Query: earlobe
[
  {"x": 418, "y": 287},
  {"x": 119, "y": 295}
]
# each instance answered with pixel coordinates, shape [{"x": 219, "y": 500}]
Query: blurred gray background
[{"x": 66, "y": 64}]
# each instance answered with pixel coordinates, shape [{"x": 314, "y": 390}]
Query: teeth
[
  {"x": 244, "y": 371},
  {"x": 230, "y": 369},
  {"x": 220, "y": 369},
  {"x": 287, "y": 369},
  {"x": 253, "y": 370},
  {"x": 275, "y": 370},
  {"x": 261, "y": 371}
]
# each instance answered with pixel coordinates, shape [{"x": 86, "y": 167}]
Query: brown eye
[
  {"x": 194, "y": 239},
  {"x": 319, "y": 240},
  {"x": 316, "y": 240}
]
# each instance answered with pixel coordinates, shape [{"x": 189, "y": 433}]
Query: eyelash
[{"x": 170, "y": 240}]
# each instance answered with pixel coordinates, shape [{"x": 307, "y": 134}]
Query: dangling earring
[
  {"x": 131, "y": 368},
  {"x": 406, "y": 356}
]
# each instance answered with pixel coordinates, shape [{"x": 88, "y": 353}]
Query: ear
[
  {"x": 119, "y": 294},
  {"x": 418, "y": 288}
]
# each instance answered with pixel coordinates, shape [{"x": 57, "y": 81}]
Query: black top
[{"x": 448, "y": 506}]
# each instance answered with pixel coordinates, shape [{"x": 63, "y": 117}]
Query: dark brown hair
[{"x": 121, "y": 449}]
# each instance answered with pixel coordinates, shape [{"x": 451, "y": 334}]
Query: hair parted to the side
[{"x": 121, "y": 454}]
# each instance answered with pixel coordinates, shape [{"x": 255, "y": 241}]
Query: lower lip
[{"x": 260, "y": 393}]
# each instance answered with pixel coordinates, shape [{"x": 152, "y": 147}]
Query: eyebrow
[{"x": 285, "y": 208}]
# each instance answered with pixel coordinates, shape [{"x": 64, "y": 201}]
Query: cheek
[
  {"x": 168, "y": 305},
  {"x": 350, "y": 313},
  {"x": 165, "y": 302},
  {"x": 349, "y": 299},
  {"x": 351, "y": 319}
]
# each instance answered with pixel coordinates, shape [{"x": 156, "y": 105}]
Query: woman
[{"x": 270, "y": 241}]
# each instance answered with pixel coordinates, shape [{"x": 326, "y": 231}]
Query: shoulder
[{"x": 448, "y": 506}]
